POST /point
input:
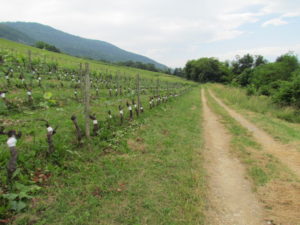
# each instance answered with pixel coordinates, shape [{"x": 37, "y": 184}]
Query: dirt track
[
  {"x": 289, "y": 157},
  {"x": 231, "y": 201}
]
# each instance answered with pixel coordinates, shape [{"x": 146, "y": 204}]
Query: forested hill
[
  {"x": 29, "y": 33},
  {"x": 14, "y": 35}
]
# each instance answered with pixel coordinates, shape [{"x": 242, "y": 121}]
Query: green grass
[
  {"x": 261, "y": 167},
  {"x": 154, "y": 175},
  {"x": 16, "y": 113},
  {"x": 259, "y": 104},
  {"x": 261, "y": 111}
]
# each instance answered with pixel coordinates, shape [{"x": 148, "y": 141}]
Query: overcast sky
[{"x": 172, "y": 31}]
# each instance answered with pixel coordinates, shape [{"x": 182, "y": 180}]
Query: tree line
[
  {"x": 144, "y": 66},
  {"x": 279, "y": 79},
  {"x": 44, "y": 45}
]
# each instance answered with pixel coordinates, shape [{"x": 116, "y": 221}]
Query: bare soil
[{"x": 231, "y": 200}]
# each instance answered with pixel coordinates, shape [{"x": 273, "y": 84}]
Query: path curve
[
  {"x": 231, "y": 201},
  {"x": 288, "y": 156}
]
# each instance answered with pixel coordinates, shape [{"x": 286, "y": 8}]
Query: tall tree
[{"x": 206, "y": 70}]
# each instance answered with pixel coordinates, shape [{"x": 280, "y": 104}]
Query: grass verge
[{"x": 261, "y": 111}]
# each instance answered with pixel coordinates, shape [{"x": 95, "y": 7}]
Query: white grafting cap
[
  {"x": 95, "y": 122},
  {"x": 49, "y": 129},
  {"x": 12, "y": 141},
  {"x": 2, "y": 95}
]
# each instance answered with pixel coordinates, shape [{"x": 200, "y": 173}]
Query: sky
[{"x": 172, "y": 31}]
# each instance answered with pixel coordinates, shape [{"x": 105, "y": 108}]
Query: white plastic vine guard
[{"x": 11, "y": 142}]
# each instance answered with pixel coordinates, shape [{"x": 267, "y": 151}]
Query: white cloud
[
  {"x": 275, "y": 22},
  {"x": 168, "y": 31},
  {"x": 291, "y": 14},
  {"x": 270, "y": 52}
]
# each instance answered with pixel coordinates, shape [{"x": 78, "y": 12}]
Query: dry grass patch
[
  {"x": 282, "y": 201},
  {"x": 137, "y": 144}
]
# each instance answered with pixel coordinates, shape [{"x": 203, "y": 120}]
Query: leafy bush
[
  {"x": 289, "y": 92},
  {"x": 44, "y": 45},
  {"x": 17, "y": 200}
]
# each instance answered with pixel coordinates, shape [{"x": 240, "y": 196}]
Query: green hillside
[
  {"x": 73, "y": 62},
  {"x": 14, "y": 35},
  {"x": 29, "y": 33}
]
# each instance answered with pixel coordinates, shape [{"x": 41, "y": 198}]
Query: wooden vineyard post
[
  {"x": 157, "y": 92},
  {"x": 95, "y": 125},
  {"x": 30, "y": 99},
  {"x": 138, "y": 94},
  {"x": 50, "y": 133},
  {"x": 109, "y": 119},
  {"x": 167, "y": 88},
  {"x": 11, "y": 143},
  {"x": 87, "y": 100},
  {"x": 121, "y": 114},
  {"x": 130, "y": 110},
  {"x": 78, "y": 131},
  {"x": 157, "y": 87},
  {"x": 29, "y": 59},
  {"x": 81, "y": 77}
]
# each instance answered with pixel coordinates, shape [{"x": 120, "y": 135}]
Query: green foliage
[
  {"x": 179, "y": 72},
  {"x": 47, "y": 95},
  {"x": 17, "y": 199},
  {"x": 44, "y": 45},
  {"x": 3, "y": 108},
  {"x": 289, "y": 91},
  {"x": 244, "y": 78},
  {"x": 279, "y": 80},
  {"x": 47, "y": 101},
  {"x": 241, "y": 64},
  {"x": 140, "y": 65},
  {"x": 206, "y": 70}
]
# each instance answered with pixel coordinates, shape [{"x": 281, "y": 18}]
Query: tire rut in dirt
[
  {"x": 288, "y": 156},
  {"x": 231, "y": 201}
]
